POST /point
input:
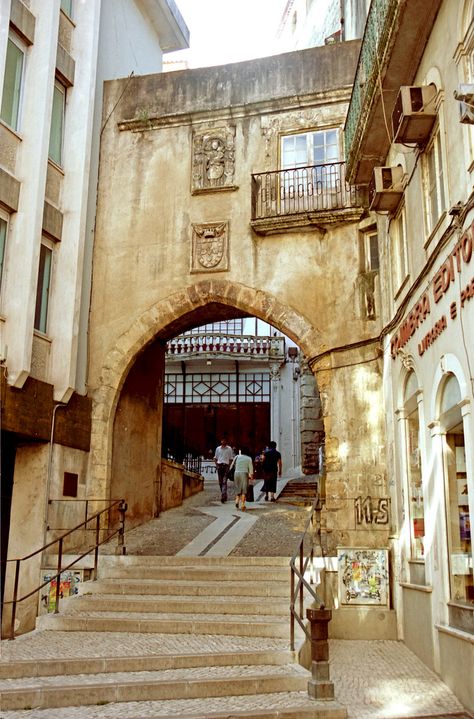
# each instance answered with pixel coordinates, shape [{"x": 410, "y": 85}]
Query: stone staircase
[{"x": 213, "y": 636}]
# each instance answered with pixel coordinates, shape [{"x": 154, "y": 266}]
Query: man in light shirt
[{"x": 223, "y": 457}]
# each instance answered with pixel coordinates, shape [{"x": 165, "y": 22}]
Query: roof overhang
[{"x": 168, "y": 23}]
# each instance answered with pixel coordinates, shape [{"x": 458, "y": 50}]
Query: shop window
[
  {"x": 413, "y": 464},
  {"x": 42, "y": 290},
  {"x": 56, "y": 133},
  {"x": 457, "y": 497},
  {"x": 435, "y": 196},
  {"x": 13, "y": 82}
]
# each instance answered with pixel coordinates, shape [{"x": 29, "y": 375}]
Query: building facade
[
  {"x": 54, "y": 58},
  {"x": 242, "y": 380},
  {"x": 413, "y": 144}
]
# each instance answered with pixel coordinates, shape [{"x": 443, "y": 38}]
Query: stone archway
[{"x": 162, "y": 320}]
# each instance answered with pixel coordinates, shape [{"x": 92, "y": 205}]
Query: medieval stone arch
[{"x": 162, "y": 321}]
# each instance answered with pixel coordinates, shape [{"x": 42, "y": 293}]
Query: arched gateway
[
  {"x": 140, "y": 352},
  {"x": 222, "y": 192}
]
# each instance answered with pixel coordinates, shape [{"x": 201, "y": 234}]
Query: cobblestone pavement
[
  {"x": 276, "y": 533},
  {"x": 373, "y": 679}
]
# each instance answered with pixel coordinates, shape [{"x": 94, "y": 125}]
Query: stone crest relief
[
  {"x": 213, "y": 159},
  {"x": 210, "y": 247}
]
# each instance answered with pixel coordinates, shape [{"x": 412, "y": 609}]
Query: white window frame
[
  {"x": 310, "y": 136},
  {"x": 43, "y": 289},
  {"x": 14, "y": 120},
  {"x": 67, "y": 6},
  {"x": 434, "y": 170},
  {"x": 399, "y": 250},
  {"x": 58, "y": 118},
  {"x": 371, "y": 258}
]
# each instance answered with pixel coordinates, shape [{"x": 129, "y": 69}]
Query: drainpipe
[{"x": 50, "y": 466}]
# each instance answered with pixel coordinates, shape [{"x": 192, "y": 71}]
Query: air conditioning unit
[
  {"x": 465, "y": 95},
  {"x": 386, "y": 188},
  {"x": 414, "y": 114}
]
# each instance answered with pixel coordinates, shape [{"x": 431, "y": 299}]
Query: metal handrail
[
  {"x": 298, "y": 587},
  {"x": 122, "y": 508}
]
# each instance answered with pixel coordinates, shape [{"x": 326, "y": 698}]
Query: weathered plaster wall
[
  {"x": 137, "y": 436},
  {"x": 28, "y": 512},
  {"x": 304, "y": 283}
]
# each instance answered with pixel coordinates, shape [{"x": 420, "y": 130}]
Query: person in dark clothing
[{"x": 271, "y": 470}]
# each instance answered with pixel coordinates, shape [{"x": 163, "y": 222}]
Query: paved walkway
[{"x": 374, "y": 679}]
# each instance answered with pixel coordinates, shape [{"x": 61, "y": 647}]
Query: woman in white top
[{"x": 243, "y": 474}]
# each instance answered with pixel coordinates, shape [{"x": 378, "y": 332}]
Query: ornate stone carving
[
  {"x": 213, "y": 159},
  {"x": 299, "y": 120},
  {"x": 210, "y": 247}
]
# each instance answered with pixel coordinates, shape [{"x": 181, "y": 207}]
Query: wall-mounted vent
[{"x": 414, "y": 114}]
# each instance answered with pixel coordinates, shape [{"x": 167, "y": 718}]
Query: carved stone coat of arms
[{"x": 210, "y": 247}]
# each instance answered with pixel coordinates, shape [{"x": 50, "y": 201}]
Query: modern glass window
[
  {"x": 42, "y": 290},
  {"x": 399, "y": 250},
  {"x": 3, "y": 242},
  {"x": 12, "y": 83},
  {"x": 434, "y": 179},
  {"x": 413, "y": 465},
  {"x": 66, "y": 6},
  {"x": 56, "y": 133},
  {"x": 458, "y": 515}
]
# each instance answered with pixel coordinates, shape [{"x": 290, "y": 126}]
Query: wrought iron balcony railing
[
  {"x": 378, "y": 27},
  {"x": 244, "y": 345},
  {"x": 310, "y": 189}
]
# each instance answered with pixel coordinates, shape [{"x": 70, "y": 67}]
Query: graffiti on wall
[{"x": 363, "y": 576}]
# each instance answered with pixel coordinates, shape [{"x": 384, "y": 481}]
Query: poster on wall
[{"x": 363, "y": 576}]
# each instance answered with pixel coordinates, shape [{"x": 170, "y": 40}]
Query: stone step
[
  {"x": 273, "y": 705},
  {"x": 133, "y": 560},
  {"x": 200, "y": 573},
  {"x": 184, "y": 588},
  {"x": 197, "y": 683},
  {"x": 234, "y": 625},
  {"x": 173, "y": 604},
  {"x": 101, "y": 665}
]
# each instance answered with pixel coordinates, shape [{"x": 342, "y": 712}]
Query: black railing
[
  {"x": 102, "y": 535},
  {"x": 314, "y": 188},
  {"x": 302, "y": 568}
]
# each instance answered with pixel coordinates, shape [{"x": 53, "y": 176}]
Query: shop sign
[{"x": 461, "y": 255}]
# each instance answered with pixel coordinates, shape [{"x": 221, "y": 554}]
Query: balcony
[
  {"x": 395, "y": 37},
  {"x": 304, "y": 198},
  {"x": 204, "y": 346}
]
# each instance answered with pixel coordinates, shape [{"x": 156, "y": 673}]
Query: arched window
[
  {"x": 413, "y": 464},
  {"x": 457, "y": 498}
]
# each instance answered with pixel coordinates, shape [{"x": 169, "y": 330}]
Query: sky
[{"x": 224, "y": 31}]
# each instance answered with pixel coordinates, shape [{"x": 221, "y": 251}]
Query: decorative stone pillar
[
  {"x": 319, "y": 686},
  {"x": 312, "y": 428},
  {"x": 275, "y": 401}
]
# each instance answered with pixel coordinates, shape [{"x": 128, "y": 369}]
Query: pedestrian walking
[
  {"x": 223, "y": 457},
  {"x": 243, "y": 473},
  {"x": 272, "y": 468}
]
